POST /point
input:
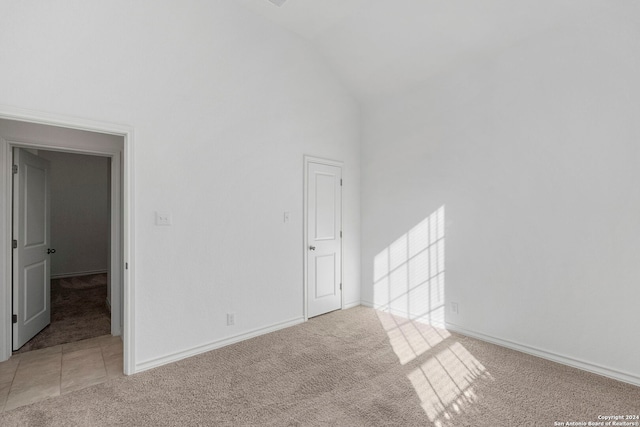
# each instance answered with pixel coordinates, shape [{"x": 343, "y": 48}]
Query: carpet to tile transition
[
  {"x": 356, "y": 367},
  {"x": 78, "y": 312}
]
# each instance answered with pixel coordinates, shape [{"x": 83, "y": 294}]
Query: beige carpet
[
  {"x": 356, "y": 367},
  {"x": 78, "y": 312}
]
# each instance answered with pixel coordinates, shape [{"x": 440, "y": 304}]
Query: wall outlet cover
[{"x": 163, "y": 218}]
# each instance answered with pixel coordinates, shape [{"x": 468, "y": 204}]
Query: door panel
[
  {"x": 324, "y": 251},
  {"x": 34, "y": 293},
  {"x": 34, "y": 208},
  {"x": 325, "y": 199},
  {"x": 325, "y": 276},
  {"x": 31, "y": 266}
]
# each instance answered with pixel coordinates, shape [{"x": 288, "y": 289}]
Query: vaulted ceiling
[{"x": 380, "y": 47}]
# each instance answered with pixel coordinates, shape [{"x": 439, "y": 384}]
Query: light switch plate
[{"x": 163, "y": 218}]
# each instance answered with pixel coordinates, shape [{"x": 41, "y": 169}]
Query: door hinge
[
  {"x": 340, "y": 286},
  {"x": 340, "y": 181},
  {"x": 15, "y": 244},
  {"x": 15, "y": 168},
  {"x": 14, "y": 318},
  {"x": 341, "y": 234}
]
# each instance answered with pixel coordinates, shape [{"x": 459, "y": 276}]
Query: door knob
[
  {"x": 51, "y": 251},
  {"x": 312, "y": 248}
]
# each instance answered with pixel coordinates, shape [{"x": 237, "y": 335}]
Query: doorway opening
[
  {"x": 70, "y": 136},
  {"x": 73, "y": 303}
]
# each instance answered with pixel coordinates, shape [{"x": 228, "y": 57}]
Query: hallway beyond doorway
[{"x": 78, "y": 311}]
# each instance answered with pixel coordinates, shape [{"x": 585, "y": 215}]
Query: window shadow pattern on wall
[{"x": 409, "y": 274}]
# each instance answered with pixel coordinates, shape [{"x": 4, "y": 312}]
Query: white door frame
[
  {"x": 121, "y": 251},
  {"x": 305, "y": 238}
]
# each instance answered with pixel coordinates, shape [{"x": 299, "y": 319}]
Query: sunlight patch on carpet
[
  {"x": 445, "y": 383},
  {"x": 409, "y": 339}
]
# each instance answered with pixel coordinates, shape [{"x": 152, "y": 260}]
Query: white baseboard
[
  {"x": 401, "y": 313},
  {"x": 563, "y": 360},
  {"x": 554, "y": 357},
  {"x": 174, "y": 357},
  {"x": 351, "y": 305},
  {"x": 77, "y": 273}
]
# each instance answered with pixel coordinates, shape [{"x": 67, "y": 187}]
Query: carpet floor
[
  {"x": 78, "y": 312},
  {"x": 356, "y": 367}
]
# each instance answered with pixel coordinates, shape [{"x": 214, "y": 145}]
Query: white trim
[
  {"x": 420, "y": 318},
  {"x": 351, "y": 305},
  {"x": 43, "y": 118},
  {"x": 5, "y": 254},
  {"x": 77, "y": 273},
  {"x": 174, "y": 357},
  {"x": 305, "y": 241},
  {"x": 115, "y": 255},
  {"x": 126, "y": 253},
  {"x": 554, "y": 357},
  {"x": 38, "y": 144}
]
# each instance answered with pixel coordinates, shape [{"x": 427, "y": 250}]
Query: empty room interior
[{"x": 336, "y": 212}]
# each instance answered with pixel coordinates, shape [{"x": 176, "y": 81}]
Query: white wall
[
  {"x": 534, "y": 153},
  {"x": 79, "y": 213},
  {"x": 224, "y": 106}
]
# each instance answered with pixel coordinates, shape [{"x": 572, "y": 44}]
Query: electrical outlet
[
  {"x": 454, "y": 307},
  {"x": 163, "y": 218},
  {"x": 231, "y": 319},
  {"x": 287, "y": 216}
]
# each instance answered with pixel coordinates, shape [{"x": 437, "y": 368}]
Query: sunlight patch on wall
[{"x": 409, "y": 274}]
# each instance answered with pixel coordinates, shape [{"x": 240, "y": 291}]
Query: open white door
[
  {"x": 31, "y": 266},
  {"x": 324, "y": 229}
]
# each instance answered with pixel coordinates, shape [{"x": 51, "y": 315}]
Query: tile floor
[{"x": 40, "y": 374}]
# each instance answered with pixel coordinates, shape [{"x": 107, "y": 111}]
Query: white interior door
[
  {"x": 324, "y": 247},
  {"x": 31, "y": 266}
]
